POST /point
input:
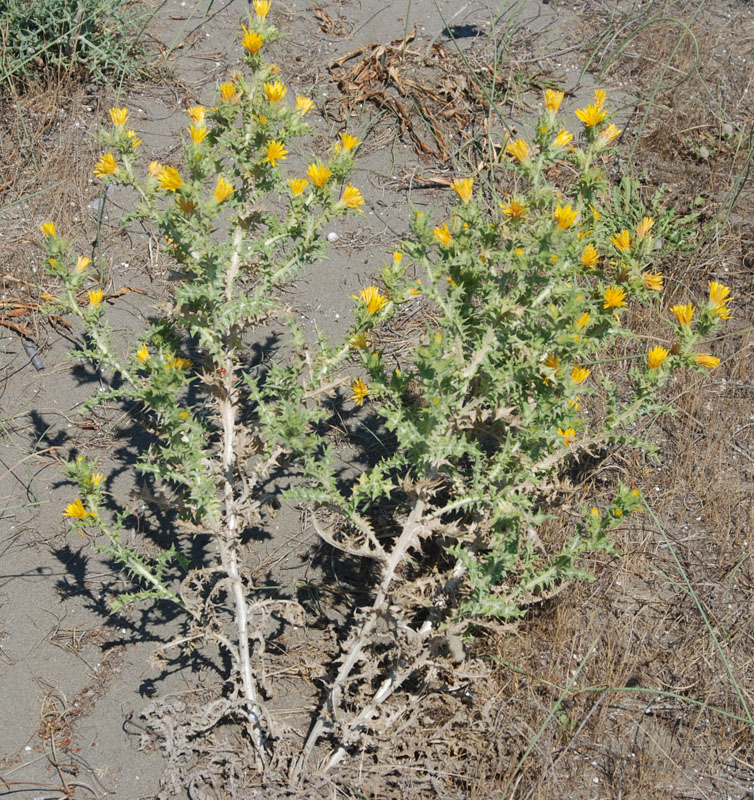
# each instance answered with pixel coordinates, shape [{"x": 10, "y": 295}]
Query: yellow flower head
[
  {"x": 516, "y": 209},
  {"x": 553, "y": 99},
  {"x": 227, "y": 92},
  {"x": 589, "y": 256},
  {"x": 580, "y": 374},
  {"x": 609, "y": 134},
  {"x": 372, "y": 299},
  {"x": 656, "y": 357},
  {"x": 95, "y": 479},
  {"x": 275, "y": 91},
  {"x": 359, "y": 391},
  {"x": 719, "y": 297},
  {"x": 252, "y": 41},
  {"x": 397, "y": 257},
  {"x": 583, "y": 320},
  {"x": 599, "y": 97},
  {"x": 119, "y": 116},
  {"x": 359, "y": 341},
  {"x": 653, "y": 280},
  {"x": 95, "y": 297},
  {"x": 134, "y": 139},
  {"x": 298, "y": 185},
  {"x": 48, "y": 229},
  {"x": 223, "y": 190},
  {"x": 519, "y": 149},
  {"x": 82, "y": 263},
  {"x": 622, "y": 240},
  {"x": 76, "y": 510},
  {"x": 684, "y": 314},
  {"x": 569, "y": 435},
  {"x": 615, "y": 297},
  {"x": 154, "y": 169},
  {"x": 178, "y": 363},
  {"x": 142, "y": 353},
  {"x": 464, "y": 188},
  {"x": 304, "y": 104},
  {"x": 352, "y": 198},
  {"x": 262, "y": 8},
  {"x": 198, "y": 133},
  {"x": 105, "y": 166},
  {"x": 563, "y": 138},
  {"x": 349, "y": 142},
  {"x": 565, "y": 216},
  {"x": 644, "y": 227},
  {"x": 552, "y": 361},
  {"x": 706, "y": 360},
  {"x": 275, "y": 151},
  {"x": 169, "y": 179},
  {"x": 319, "y": 174},
  {"x": 197, "y": 114},
  {"x": 591, "y": 115},
  {"x": 443, "y": 235}
]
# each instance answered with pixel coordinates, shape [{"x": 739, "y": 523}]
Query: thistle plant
[
  {"x": 526, "y": 367},
  {"x": 238, "y": 227}
]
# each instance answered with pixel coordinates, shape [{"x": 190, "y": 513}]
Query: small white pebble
[{"x": 332, "y": 237}]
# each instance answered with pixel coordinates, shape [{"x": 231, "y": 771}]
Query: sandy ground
[{"x": 74, "y": 679}]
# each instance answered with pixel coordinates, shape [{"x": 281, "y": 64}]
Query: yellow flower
[
  {"x": 262, "y": 8},
  {"x": 154, "y": 169},
  {"x": 516, "y": 209},
  {"x": 519, "y": 149},
  {"x": 178, "y": 363},
  {"x": 653, "y": 280},
  {"x": 223, "y": 190},
  {"x": 227, "y": 92},
  {"x": 48, "y": 229},
  {"x": 583, "y": 320},
  {"x": 553, "y": 99},
  {"x": 596, "y": 214},
  {"x": 622, "y": 240},
  {"x": 82, "y": 263},
  {"x": 574, "y": 404},
  {"x": 319, "y": 174},
  {"x": 119, "y": 116},
  {"x": 275, "y": 152},
  {"x": 565, "y": 216},
  {"x": 352, "y": 197},
  {"x": 95, "y": 297},
  {"x": 589, "y": 256},
  {"x": 719, "y": 298},
  {"x": 304, "y": 104},
  {"x": 684, "y": 314},
  {"x": 142, "y": 353},
  {"x": 275, "y": 91},
  {"x": 252, "y": 41},
  {"x": 599, "y": 97},
  {"x": 615, "y": 297},
  {"x": 76, "y": 510},
  {"x": 372, "y": 299},
  {"x": 609, "y": 134},
  {"x": 198, "y": 133},
  {"x": 197, "y": 114},
  {"x": 644, "y": 227},
  {"x": 464, "y": 188},
  {"x": 183, "y": 415},
  {"x": 186, "y": 205},
  {"x": 569, "y": 435},
  {"x": 443, "y": 235},
  {"x": 563, "y": 138},
  {"x": 359, "y": 341},
  {"x": 591, "y": 115},
  {"x": 298, "y": 185},
  {"x": 397, "y": 257},
  {"x": 656, "y": 357},
  {"x": 580, "y": 374},
  {"x": 359, "y": 391},
  {"x": 706, "y": 360},
  {"x": 169, "y": 179},
  {"x": 349, "y": 142},
  {"x": 135, "y": 141},
  {"x": 552, "y": 361},
  {"x": 105, "y": 166}
]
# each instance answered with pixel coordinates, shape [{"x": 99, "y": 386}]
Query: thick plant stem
[{"x": 407, "y": 539}]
